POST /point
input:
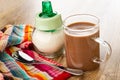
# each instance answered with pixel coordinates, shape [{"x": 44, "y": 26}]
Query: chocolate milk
[{"x": 81, "y": 49}]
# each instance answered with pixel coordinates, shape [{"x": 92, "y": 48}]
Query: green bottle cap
[
  {"x": 47, "y": 20},
  {"x": 47, "y": 9}
]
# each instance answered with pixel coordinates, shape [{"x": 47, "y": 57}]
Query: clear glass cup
[{"x": 82, "y": 42}]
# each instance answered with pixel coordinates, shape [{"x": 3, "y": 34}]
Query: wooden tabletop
[{"x": 23, "y": 12}]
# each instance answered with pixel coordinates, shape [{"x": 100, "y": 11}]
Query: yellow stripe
[{"x": 13, "y": 49}]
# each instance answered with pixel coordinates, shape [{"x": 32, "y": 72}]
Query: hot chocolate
[{"x": 80, "y": 47}]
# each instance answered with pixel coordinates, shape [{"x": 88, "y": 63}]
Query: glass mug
[{"x": 82, "y": 42}]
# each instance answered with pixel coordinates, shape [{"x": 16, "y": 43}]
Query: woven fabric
[
  {"x": 14, "y": 35},
  {"x": 19, "y": 37},
  {"x": 4, "y": 69},
  {"x": 56, "y": 73},
  {"x": 20, "y": 34},
  {"x": 6, "y": 72},
  {"x": 16, "y": 70},
  {"x": 34, "y": 72},
  {"x": 4, "y": 36},
  {"x": 51, "y": 70}
]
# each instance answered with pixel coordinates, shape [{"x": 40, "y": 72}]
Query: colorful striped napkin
[
  {"x": 16, "y": 70},
  {"x": 55, "y": 73},
  {"x": 14, "y": 35},
  {"x": 14, "y": 38}
]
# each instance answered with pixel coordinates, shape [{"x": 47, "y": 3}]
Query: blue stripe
[
  {"x": 5, "y": 57},
  {"x": 14, "y": 39},
  {"x": 14, "y": 68},
  {"x": 19, "y": 30}
]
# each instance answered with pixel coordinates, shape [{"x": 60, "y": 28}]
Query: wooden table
[{"x": 23, "y": 12}]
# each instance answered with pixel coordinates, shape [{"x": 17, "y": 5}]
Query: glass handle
[{"x": 107, "y": 47}]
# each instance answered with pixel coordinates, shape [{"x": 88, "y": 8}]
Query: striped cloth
[
  {"x": 14, "y": 35},
  {"x": 16, "y": 70},
  {"x": 6, "y": 72},
  {"x": 19, "y": 38},
  {"x": 55, "y": 73},
  {"x": 34, "y": 72},
  {"x": 4, "y": 36}
]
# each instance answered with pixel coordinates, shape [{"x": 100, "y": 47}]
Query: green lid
[
  {"x": 47, "y": 24},
  {"x": 47, "y": 20},
  {"x": 47, "y": 9}
]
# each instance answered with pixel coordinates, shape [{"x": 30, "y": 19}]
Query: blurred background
[{"x": 23, "y": 11}]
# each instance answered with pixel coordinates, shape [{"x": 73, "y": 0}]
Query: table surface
[{"x": 23, "y": 12}]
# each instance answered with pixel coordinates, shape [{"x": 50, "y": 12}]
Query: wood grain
[{"x": 23, "y": 12}]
